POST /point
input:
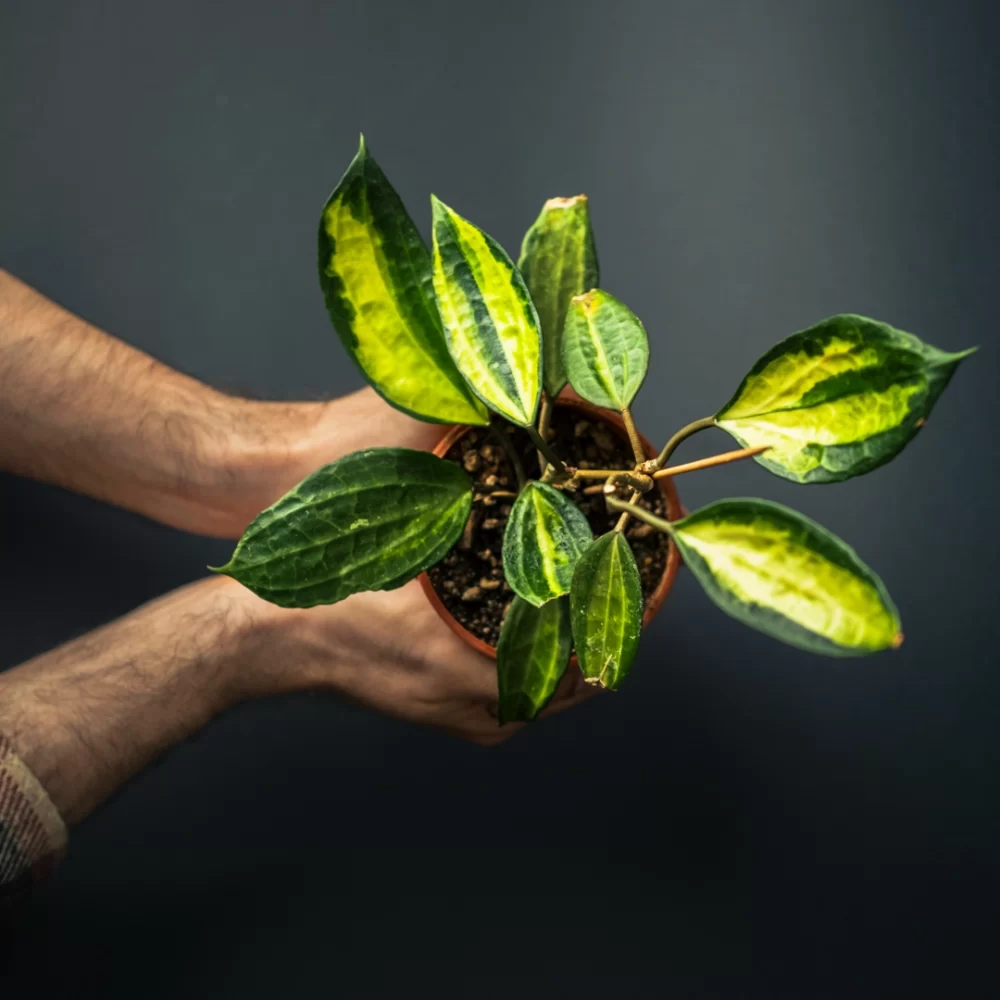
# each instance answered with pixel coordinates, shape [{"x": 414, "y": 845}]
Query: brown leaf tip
[
  {"x": 897, "y": 640},
  {"x": 565, "y": 202},
  {"x": 586, "y": 299}
]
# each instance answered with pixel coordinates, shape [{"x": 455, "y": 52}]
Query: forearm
[
  {"x": 86, "y": 411},
  {"x": 88, "y": 715}
]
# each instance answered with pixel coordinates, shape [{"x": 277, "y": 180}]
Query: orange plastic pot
[{"x": 666, "y": 486}]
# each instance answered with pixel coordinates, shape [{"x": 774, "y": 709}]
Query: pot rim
[{"x": 667, "y": 488}]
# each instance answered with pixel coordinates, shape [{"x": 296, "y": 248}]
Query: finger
[{"x": 572, "y": 690}]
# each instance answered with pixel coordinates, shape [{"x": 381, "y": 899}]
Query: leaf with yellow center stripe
[
  {"x": 605, "y": 604},
  {"x": 545, "y": 537},
  {"x": 532, "y": 655},
  {"x": 375, "y": 273},
  {"x": 838, "y": 399},
  {"x": 490, "y": 323},
  {"x": 605, "y": 349},
  {"x": 558, "y": 260},
  {"x": 777, "y": 571}
]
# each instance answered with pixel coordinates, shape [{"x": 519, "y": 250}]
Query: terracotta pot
[{"x": 667, "y": 488}]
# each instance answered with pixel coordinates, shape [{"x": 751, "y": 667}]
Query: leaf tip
[
  {"x": 221, "y": 570},
  {"x": 554, "y": 203},
  {"x": 897, "y": 640},
  {"x": 362, "y": 145}
]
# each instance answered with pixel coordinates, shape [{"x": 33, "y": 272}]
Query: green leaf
[
  {"x": 532, "y": 655},
  {"x": 489, "y": 321},
  {"x": 375, "y": 273},
  {"x": 558, "y": 260},
  {"x": 546, "y": 535},
  {"x": 838, "y": 399},
  {"x": 606, "y": 610},
  {"x": 781, "y": 573},
  {"x": 605, "y": 349},
  {"x": 370, "y": 521}
]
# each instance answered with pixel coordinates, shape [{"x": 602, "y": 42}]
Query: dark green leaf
[
  {"x": 369, "y": 521},
  {"x": 606, "y": 610},
  {"x": 532, "y": 655},
  {"x": 546, "y": 535}
]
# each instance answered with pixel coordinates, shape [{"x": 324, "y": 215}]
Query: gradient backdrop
[{"x": 743, "y": 820}]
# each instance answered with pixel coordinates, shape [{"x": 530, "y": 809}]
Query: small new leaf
[
  {"x": 558, "y": 260},
  {"x": 532, "y": 655},
  {"x": 375, "y": 273},
  {"x": 490, "y": 323},
  {"x": 605, "y": 349},
  {"x": 545, "y": 537},
  {"x": 606, "y": 610},
  {"x": 370, "y": 521},
  {"x": 837, "y": 400},
  {"x": 783, "y": 574}
]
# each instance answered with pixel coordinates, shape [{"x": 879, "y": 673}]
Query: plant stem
[
  {"x": 706, "y": 463},
  {"x": 642, "y": 514},
  {"x": 599, "y": 473},
  {"x": 625, "y": 508},
  {"x": 684, "y": 432},
  {"x": 544, "y": 416},
  {"x": 545, "y": 449},
  {"x": 633, "y": 436},
  {"x": 512, "y": 456}
]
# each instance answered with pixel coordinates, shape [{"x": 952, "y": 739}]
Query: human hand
[{"x": 391, "y": 652}]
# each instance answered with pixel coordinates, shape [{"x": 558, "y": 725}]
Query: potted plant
[{"x": 527, "y": 519}]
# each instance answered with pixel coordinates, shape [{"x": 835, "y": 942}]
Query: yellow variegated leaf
[
  {"x": 375, "y": 272},
  {"x": 605, "y": 349},
  {"x": 838, "y": 399},
  {"x": 489, "y": 321},
  {"x": 545, "y": 537},
  {"x": 785, "y": 575},
  {"x": 558, "y": 260}
]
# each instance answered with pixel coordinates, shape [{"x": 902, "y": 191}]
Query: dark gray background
[{"x": 743, "y": 820}]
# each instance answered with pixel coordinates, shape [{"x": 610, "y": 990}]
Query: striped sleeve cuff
[{"x": 32, "y": 833}]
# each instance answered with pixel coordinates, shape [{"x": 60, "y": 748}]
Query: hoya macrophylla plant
[{"x": 460, "y": 334}]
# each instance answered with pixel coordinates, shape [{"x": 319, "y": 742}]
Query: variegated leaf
[
  {"x": 838, "y": 399},
  {"x": 546, "y": 535},
  {"x": 783, "y": 574},
  {"x": 605, "y": 349},
  {"x": 489, "y": 321},
  {"x": 606, "y": 610},
  {"x": 558, "y": 260},
  {"x": 375, "y": 273},
  {"x": 532, "y": 655},
  {"x": 369, "y": 521}
]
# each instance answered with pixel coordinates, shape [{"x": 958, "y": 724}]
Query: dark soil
[{"x": 470, "y": 580}]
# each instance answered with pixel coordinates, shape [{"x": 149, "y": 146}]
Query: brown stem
[
  {"x": 598, "y": 473},
  {"x": 707, "y": 463},
  {"x": 633, "y": 436}
]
